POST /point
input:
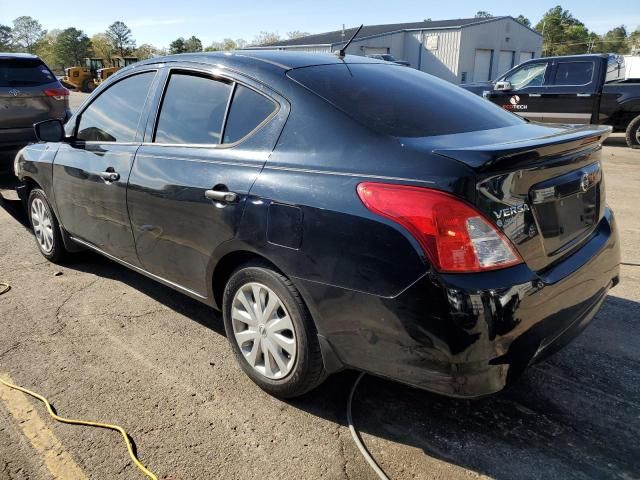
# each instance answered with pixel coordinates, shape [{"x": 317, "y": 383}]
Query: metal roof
[{"x": 336, "y": 37}]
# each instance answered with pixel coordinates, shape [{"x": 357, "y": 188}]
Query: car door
[
  {"x": 527, "y": 96},
  {"x": 90, "y": 172},
  {"x": 203, "y": 151},
  {"x": 572, "y": 92}
]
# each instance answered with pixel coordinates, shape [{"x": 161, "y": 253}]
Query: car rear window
[
  {"x": 400, "y": 101},
  {"x": 24, "y": 72}
]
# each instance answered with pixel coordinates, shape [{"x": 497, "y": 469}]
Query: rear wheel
[
  {"x": 271, "y": 332},
  {"x": 45, "y": 227},
  {"x": 633, "y": 133},
  {"x": 88, "y": 85}
]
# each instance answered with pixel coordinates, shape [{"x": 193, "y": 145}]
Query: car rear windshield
[
  {"x": 400, "y": 101},
  {"x": 24, "y": 72}
]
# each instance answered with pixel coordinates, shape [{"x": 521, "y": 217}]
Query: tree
[
  {"x": 6, "y": 43},
  {"x": 634, "y": 42},
  {"x": 46, "y": 49},
  {"x": 226, "y": 45},
  {"x": 483, "y": 14},
  {"x": 614, "y": 41},
  {"x": 102, "y": 46},
  {"x": 562, "y": 34},
  {"x": 523, "y": 20},
  {"x": 145, "y": 51},
  {"x": 26, "y": 33},
  {"x": 177, "y": 46},
  {"x": 240, "y": 43},
  {"x": 72, "y": 45},
  {"x": 266, "y": 37},
  {"x": 297, "y": 34},
  {"x": 193, "y": 44},
  {"x": 120, "y": 37}
]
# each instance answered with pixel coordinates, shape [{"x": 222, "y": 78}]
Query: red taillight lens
[
  {"x": 454, "y": 236},
  {"x": 57, "y": 93}
]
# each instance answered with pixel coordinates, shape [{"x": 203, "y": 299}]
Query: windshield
[
  {"x": 24, "y": 72},
  {"x": 402, "y": 102}
]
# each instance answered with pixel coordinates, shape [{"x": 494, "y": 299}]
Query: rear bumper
[{"x": 469, "y": 335}]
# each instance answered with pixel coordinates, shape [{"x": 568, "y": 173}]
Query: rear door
[
  {"x": 202, "y": 153},
  {"x": 572, "y": 93},
  {"x": 527, "y": 97},
  {"x": 90, "y": 172}
]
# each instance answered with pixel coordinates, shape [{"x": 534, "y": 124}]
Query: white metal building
[{"x": 460, "y": 51}]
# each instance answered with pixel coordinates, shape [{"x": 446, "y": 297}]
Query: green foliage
[
  {"x": 26, "y": 33},
  {"x": 523, "y": 20},
  {"x": 177, "y": 46},
  {"x": 120, "y": 37},
  {"x": 614, "y": 41},
  {"x": 562, "y": 33},
  {"x": 102, "y": 46},
  {"x": 193, "y": 44},
  {"x": 483, "y": 14},
  {"x": 45, "y": 49},
  {"x": 226, "y": 45},
  {"x": 6, "y": 41},
  {"x": 71, "y": 46},
  {"x": 145, "y": 51}
]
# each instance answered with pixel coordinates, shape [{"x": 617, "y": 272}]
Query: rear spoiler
[{"x": 527, "y": 152}]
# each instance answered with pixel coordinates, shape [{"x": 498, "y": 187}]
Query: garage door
[
  {"x": 482, "y": 66},
  {"x": 505, "y": 62},
  {"x": 524, "y": 56},
  {"x": 376, "y": 50}
]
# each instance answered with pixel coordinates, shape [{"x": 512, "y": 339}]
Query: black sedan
[{"x": 341, "y": 212}]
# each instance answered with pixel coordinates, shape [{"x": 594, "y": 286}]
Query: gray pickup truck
[{"x": 571, "y": 89}]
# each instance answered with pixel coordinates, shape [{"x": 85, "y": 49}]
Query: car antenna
[{"x": 342, "y": 51}]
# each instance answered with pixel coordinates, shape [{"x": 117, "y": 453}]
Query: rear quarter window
[
  {"x": 402, "y": 102},
  {"x": 24, "y": 72},
  {"x": 574, "y": 73},
  {"x": 248, "y": 110}
]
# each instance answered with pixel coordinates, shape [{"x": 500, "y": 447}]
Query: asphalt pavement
[{"x": 105, "y": 343}]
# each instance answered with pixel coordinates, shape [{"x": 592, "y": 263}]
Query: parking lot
[{"x": 105, "y": 343}]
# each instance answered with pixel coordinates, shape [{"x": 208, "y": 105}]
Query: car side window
[
  {"x": 248, "y": 110},
  {"x": 192, "y": 110},
  {"x": 531, "y": 75},
  {"x": 573, "y": 73},
  {"x": 114, "y": 115}
]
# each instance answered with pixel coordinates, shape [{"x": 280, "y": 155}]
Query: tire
[
  {"x": 88, "y": 86},
  {"x": 632, "y": 135},
  {"x": 300, "y": 367},
  {"x": 45, "y": 227}
]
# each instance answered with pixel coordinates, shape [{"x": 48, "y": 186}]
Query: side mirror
[
  {"x": 502, "y": 86},
  {"x": 49, "y": 131}
]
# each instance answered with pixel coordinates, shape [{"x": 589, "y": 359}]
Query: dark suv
[
  {"x": 29, "y": 93},
  {"x": 341, "y": 212}
]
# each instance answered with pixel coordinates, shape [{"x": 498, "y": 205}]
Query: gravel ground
[{"x": 105, "y": 343}]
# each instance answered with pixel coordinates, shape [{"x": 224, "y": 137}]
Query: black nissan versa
[{"x": 341, "y": 212}]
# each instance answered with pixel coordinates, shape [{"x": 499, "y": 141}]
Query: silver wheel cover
[
  {"x": 263, "y": 330},
  {"x": 42, "y": 225}
]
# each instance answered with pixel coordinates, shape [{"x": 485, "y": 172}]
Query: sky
[{"x": 215, "y": 20}]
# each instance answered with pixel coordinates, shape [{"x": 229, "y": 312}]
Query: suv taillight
[
  {"x": 454, "y": 236},
  {"x": 56, "y": 93}
]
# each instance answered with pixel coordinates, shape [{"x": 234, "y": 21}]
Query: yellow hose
[{"x": 4, "y": 287}]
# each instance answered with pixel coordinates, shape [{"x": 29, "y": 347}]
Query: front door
[
  {"x": 528, "y": 88},
  {"x": 192, "y": 176},
  {"x": 572, "y": 93},
  {"x": 90, "y": 173}
]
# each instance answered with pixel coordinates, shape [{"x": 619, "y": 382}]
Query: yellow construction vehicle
[
  {"x": 116, "y": 64},
  {"x": 83, "y": 78}
]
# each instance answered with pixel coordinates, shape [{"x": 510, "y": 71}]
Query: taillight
[
  {"x": 454, "y": 236},
  {"x": 56, "y": 93}
]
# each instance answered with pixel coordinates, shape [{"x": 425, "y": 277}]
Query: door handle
[
  {"x": 110, "y": 176},
  {"x": 220, "y": 196},
  {"x": 583, "y": 94},
  {"x": 535, "y": 95}
]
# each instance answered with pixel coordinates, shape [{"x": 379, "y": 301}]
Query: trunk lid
[{"x": 541, "y": 185}]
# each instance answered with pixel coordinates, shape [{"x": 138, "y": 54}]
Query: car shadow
[
  {"x": 617, "y": 141},
  {"x": 576, "y": 415}
]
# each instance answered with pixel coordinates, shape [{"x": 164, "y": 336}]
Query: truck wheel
[
  {"x": 88, "y": 86},
  {"x": 633, "y": 133}
]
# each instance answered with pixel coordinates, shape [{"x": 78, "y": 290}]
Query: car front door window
[{"x": 527, "y": 76}]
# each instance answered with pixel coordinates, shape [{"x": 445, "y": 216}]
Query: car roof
[
  {"x": 267, "y": 59},
  {"x": 17, "y": 55}
]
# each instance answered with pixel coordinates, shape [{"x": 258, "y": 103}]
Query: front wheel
[
  {"x": 45, "y": 227},
  {"x": 632, "y": 134},
  {"x": 271, "y": 331}
]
